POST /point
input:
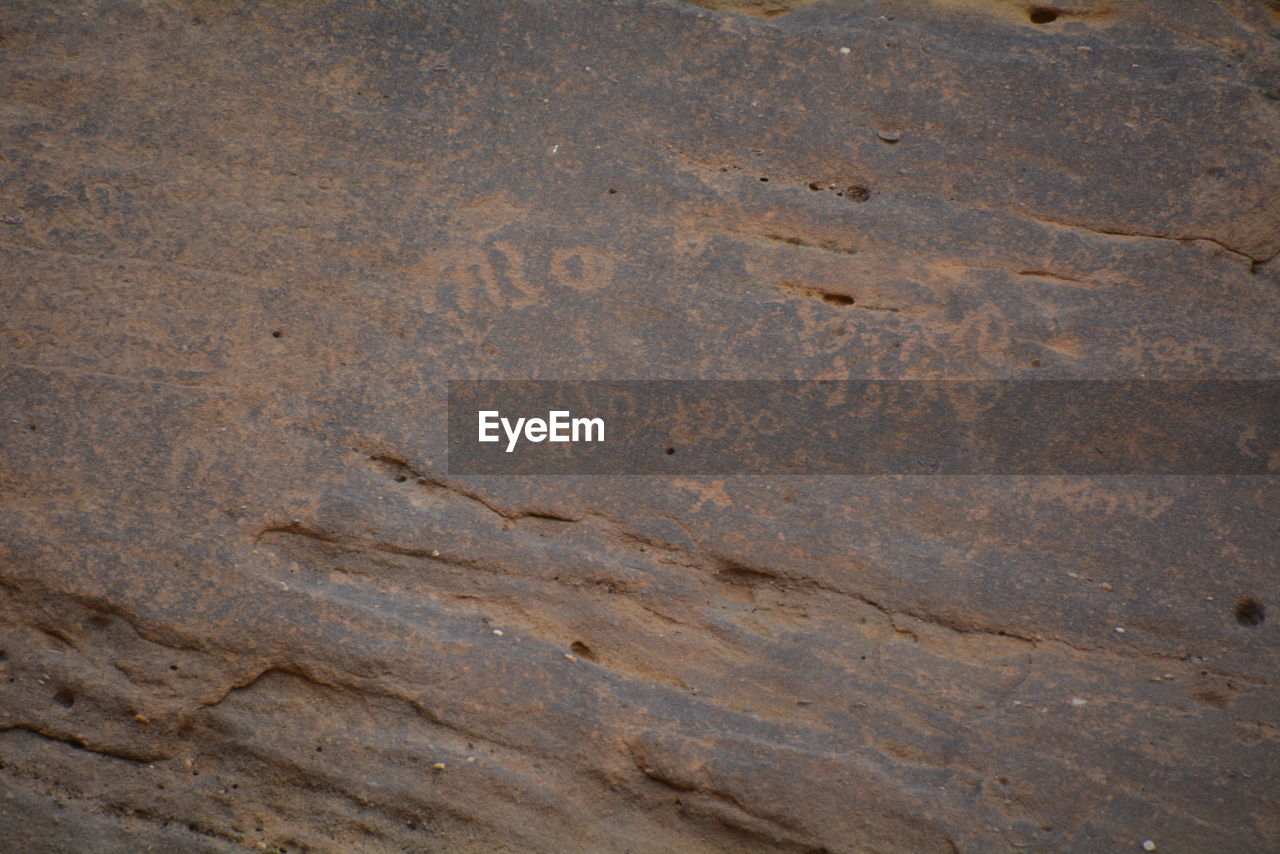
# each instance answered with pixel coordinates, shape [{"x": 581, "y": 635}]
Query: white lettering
[
  {"x": 590, "y": 427},
  {"x": 488, "y": 423},
  {"x": 512, "y": 435},
  {"x": 559, "y": 427},
  {"x": 559, "y": 423}
]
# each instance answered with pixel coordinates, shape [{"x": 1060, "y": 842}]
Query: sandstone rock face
[{"x": 243, "y": 606}]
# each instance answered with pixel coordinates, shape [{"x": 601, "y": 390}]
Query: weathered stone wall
[{"x": 244, "y": 607}]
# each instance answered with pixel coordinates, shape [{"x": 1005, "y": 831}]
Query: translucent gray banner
[{"x": 864, "y": 427}]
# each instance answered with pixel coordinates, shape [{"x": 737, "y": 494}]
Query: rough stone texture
[{"x": 243, "y": 249}]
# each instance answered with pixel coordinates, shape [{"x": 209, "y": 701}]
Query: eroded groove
[
  {"x": 77, "y": 743},
  {"x": 828, "y": 296},
  {"x": 1046, "y": 274},
  {"x": 807, "y": 243},
  {"x": 1116, "y": 232},
  {"x": 731, "y": 570},
  {"x": 400, "y": 471}
]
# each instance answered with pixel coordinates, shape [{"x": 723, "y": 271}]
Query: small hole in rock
[
  {"x": 1035, "y": 363},
  {"x": 1250, "y": 611},
  {"x": 766, "y": 180},
  {"x": 276, "y": 333},
  {"x": 401, "y": 478},
  {"x": 856, "y": 193},
  {"x": 580, "y": 649},
  {"x": 837, "y": 299},
  {"x": 670, "y": 451},
  {"x": 612, "y": 190},
  {"x": 63, "y": 697},
  {"x": 814, "y": 187},
  {"x": 1042, "y": 15}
]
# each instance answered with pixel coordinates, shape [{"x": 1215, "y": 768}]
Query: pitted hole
[
  {"x": 764, "y": 179},
  {"x": 1042, "y": 15},
  {"x": 613, "y": 191},
  {"x": 276, "y": 333},
  {"x": 856, "y": 193},
  {"x": 837, "y": 299},
  {"x": 401, "y": 478},
  {"x": 1250, "y": 611},
  {"x": 173, "y": 667},
  {"x": 581, "y": 650},
  {"x": 670, "y": 450},
  {"x": 64, "y": 697},
  {"x": 814, "y": 187},
  {"x": 4, "y": 655}
]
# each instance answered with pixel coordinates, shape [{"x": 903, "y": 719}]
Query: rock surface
[{"x": 244, "y": 607}]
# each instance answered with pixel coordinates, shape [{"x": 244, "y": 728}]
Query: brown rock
[{"x": 247, "y": 245}]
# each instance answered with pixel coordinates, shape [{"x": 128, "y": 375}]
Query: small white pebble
[
  {"x": 572, "y": 658},
  {"x": 1078, "y": 701},
  {"x": 435, "y": 553},
  {"x": 844, "y": 50},
  {"x": 1120, "y": 629},
  {"x": 471, "y": 759},
  {"x": 498, "y": 632},
  {"x": 1148, "y": 845},
  {"x": 439, "y": 766}
]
